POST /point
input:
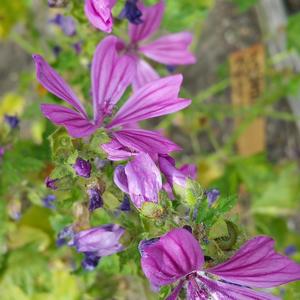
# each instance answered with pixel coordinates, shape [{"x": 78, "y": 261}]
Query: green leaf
[
  {"x": 219, "y": 229},
  {"x": 244, "y": 5},
  {"x": 151, "y": 210},
  {"x": 193, "y": 194},
  {"x": 99, "y": 138}
]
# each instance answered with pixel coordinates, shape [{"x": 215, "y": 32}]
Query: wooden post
[{"x": 247, "y": 68}]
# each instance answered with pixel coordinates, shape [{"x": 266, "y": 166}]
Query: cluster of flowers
[{"x": 175, "y": 256}]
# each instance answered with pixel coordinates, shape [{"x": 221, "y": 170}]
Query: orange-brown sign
[{"x": 247, "y": 68}]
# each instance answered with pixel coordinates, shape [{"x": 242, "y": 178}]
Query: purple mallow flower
[
  {"x": 173, "y": 175},
  {"x": 131, "y": 12},
  {"x": 99, "y": 14},
  {"x": 171, "y": 49},
  {"x": 177, "y": 258},
  {"x": 212, "y": 196},
  {"x": 48, "y": 201},
  {"x": 51, "y": 183},
  {"x": 97, "y": 242},
  {"x": 111, "y": 75},
  {"x": 140, "y": 178},
  {"x": 66, "y": 23},
  {"x": 12, "y": 121},
  {"x": 82, "y": 168},
  {"x": 96, "y": 200}
]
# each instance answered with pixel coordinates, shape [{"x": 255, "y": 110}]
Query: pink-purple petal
[
  {"x": 170, "y": 49},
  {"x": 174, "y": 255},
  {"x": 144, "y": 180},
  {"x": 116, "y": 151},
  {"x": 99, "y": 14},
  {"x": 76, "y": 125},
  {"x": 175, "y": 292},
  {"x": 120, "y": 179},
  {"x": 152, "y": 16},
  {"x": 144, "y": 73},
  {"x": 189, "y": 170},
  {"x": 111, "y": 74},
  {"x": 154, "y": 99},
  {"x": 173, "y": 175},
  {"x": 52, "y": 82},
  {"x": 226, "y": 291},
  {"x": 256, "y": 264},
  {"x": 102, "y": 240},
  {"x": 145, "y": 141}
]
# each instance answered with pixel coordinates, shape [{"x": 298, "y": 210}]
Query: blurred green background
[{"x": 267, "y": 183}]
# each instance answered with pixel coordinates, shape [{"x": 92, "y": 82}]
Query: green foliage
[
  {"x": 244, "y": 5},
  {"x": 292, "y": 30}
]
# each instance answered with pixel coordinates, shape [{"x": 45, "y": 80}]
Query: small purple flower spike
[
  {"x": 12, "y": 121},
  {"x": 131, "y": 12},
  {"x": 48, "y": 201},
  {"x": 51, "y": 183},
  {"x": 212, "y": 196},
  {"x": 82, "y": 168},
  {"x": 290, "y": 250},
  {"x": 78, "y": 47},
  {"x": 177, "y": 257},
  {"x": 66, "y": 23},
  {"x": 96, "y": 200},
  {"x": 65, "y": 235}
]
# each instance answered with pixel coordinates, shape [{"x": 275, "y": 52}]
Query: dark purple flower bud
[
  {"x": 66, "y": 23},
  {"x": 48, "y": 201},
  {"x": 12, "y": 121},
  {"x": 82, "y": 167},
  {"x": 56, "y": 50},
  {"x": 77, "y": 47},
  {"x": 290, "y": 250},
  {"x": 90, "y": 261},
  {"x": 212, "y": 195},
  {"x": 96, "y": 200},
  {"x": 171, "y": 68},
  {"x": 64, "y": 236},
  {"x": 125, "y": 205},
  {"x": 131, "y": 12},
  {"x": 50, "y": 183}
]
